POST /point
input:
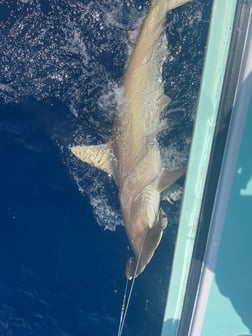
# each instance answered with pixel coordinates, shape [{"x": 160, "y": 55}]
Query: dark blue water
[{"x": 61, "y": 272}]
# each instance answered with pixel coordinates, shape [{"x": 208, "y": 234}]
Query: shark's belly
[{"x": 138, "y": 176}]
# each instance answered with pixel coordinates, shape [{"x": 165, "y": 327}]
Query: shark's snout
[{"x": 148, "y": 241}]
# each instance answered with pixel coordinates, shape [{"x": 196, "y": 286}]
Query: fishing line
[
  {"x": 124, "y": 312},
  {"x": 123, "y": 306}
]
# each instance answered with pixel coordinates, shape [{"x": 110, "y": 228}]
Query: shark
[{"x": 132, "y": 154}]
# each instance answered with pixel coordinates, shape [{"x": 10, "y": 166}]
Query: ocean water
[{"x": 63, "y": 248}]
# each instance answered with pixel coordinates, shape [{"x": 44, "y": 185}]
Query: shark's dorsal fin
[
  {"x": 167, "y": 177},
  {"x": 163, "y": 101},
  {"x": 98, "y": 156}
]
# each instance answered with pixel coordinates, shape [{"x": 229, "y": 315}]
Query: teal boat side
[
  {"x": 210, "y": 290},
  {"x": 210, "y": 92},
  {"x": 229, "y": 306}
]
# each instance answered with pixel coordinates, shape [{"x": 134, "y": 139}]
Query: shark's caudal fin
[
  {"x": 98, "y": 156},
  {"x": 171, "y": 4}
]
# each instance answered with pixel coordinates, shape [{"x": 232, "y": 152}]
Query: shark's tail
[
  {"x": 172, "y": 4},
  {"x": 169, "y": 4},
  {"x": 98, "y": 156}
]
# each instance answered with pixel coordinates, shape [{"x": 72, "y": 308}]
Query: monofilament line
[{"x": 124, "y": 312}]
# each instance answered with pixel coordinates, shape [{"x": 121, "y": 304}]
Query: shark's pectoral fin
[
  {"x": 98, "y": 156},
  {"x": 145, "y": 251},
  {"x": 167, "y": 177},
  {"x": 163, "y": 219}
]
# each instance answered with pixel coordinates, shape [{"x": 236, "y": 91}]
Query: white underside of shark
[{"x": 132, "y": 156}]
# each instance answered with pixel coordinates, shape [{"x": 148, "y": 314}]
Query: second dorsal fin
[{"x": 98, "y": 156}]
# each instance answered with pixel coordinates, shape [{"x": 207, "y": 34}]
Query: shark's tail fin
[
  {"x": 172, "y": 4},
  {"x": 168, "y": 5},
  {"x": 98, "y": 156}
]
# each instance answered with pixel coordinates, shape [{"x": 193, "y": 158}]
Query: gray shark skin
[{"x": 132, "y": 155}]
